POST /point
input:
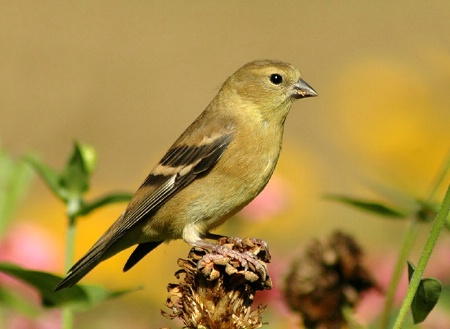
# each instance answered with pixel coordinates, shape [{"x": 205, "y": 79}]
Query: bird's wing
[{"x": 180, "y": 166}]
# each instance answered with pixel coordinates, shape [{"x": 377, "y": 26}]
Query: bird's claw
[{"x": 246, "y": 255}]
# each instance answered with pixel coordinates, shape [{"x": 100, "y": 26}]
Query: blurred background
[{"x": 128, "y": 78}]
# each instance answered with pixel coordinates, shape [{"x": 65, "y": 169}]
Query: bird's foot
[
  {"x": 256, "y": 246},
  {"x": 246, "y": 255}
]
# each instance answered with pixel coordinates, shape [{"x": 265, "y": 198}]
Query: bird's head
[{"x": 269, "y": 83}]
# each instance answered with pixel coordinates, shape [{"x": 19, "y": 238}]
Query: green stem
[
  {"x": 426, "y": 253},
  {"x": 70, "y": 244},
  {"x": 407, "y": 243},
  {"x": 405, "y": 250},
  {"x": 67, "y": 313},
  {"x": 67, "y": 318}
]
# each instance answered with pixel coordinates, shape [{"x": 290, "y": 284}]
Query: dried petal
[{"x": 217, "y": 290}]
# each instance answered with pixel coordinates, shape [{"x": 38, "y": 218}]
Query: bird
[{"x": 220, "y": 163}]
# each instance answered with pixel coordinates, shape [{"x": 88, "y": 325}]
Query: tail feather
[
  {"x": 82, "y": 267},
  {"x": 139, "y": 253},
  {"x": 104, "y": 248},
  {"x": 107, "y": 246}
]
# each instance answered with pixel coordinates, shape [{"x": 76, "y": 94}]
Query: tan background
[{"x": 128, "y": 76}]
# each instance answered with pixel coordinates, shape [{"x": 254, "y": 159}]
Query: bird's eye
[{"x": 276, "y": 79}]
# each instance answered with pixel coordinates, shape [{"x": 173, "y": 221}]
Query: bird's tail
[
  {"x": 109, "y": 244},
  {"x": 104, "y": 248},
  {"x": 83, "y": 266}
]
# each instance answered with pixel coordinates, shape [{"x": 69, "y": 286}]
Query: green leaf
[
  {"x": 49, "y": 175},
  {"x": 88, "y": 207},
  {"x": 76, "y": 174},
  {"x": 89, "y": 157},
  {"x": 426, "y": 297},
  {"x": 44, "y": 283},
  {"x": 15, "y": 177},
  {"x": 370, "y": 206},
  {"x": 70, "y": 185},
  {"x": 80, "y": 297}
]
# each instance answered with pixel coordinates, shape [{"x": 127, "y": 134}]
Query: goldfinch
[{"x": 220, "y": 163}]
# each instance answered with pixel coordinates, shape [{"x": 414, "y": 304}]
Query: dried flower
[
  {"x": 216, "y": 291},
  {"x": 326, "y": 278}
]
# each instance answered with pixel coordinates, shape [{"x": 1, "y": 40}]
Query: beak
[{"x": 302, "y": 90}]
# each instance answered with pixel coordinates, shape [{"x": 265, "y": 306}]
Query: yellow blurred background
[{"x": 128, "y": 76}]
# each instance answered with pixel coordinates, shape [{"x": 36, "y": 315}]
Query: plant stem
[
  {"x": 67, "y": 318},
  {"x": 405, "y": 250},
  {"x": 70, "y": 244},
  {"x": 407, "y": 245},
  {"x": 67, "y": 313},
  {"x": 426, "y": 253}
]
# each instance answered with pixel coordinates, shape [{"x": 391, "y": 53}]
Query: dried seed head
[
  {"x": 327, "y": 277},
  {"x": 216, "y": 290}
]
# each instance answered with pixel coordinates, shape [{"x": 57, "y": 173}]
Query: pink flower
[
  {"x": 29, "y": 245},
  {"x": 32, "y": 247}
]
